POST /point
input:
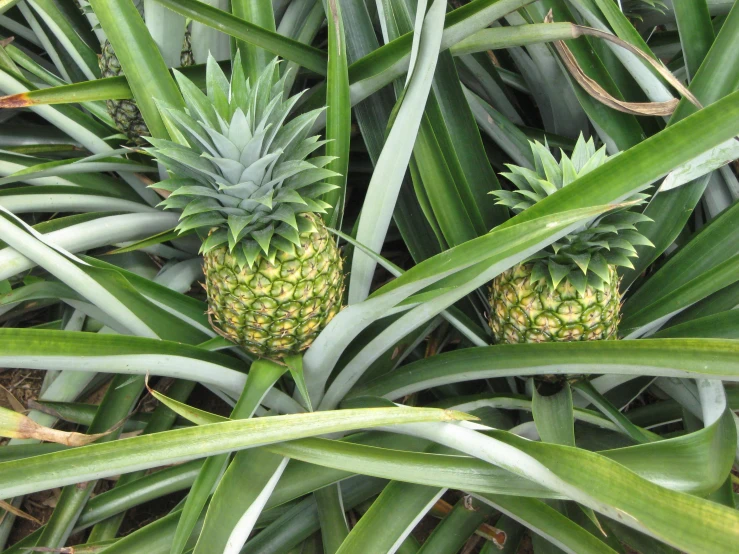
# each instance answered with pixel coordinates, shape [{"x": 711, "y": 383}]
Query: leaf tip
[
  {"x": 20, "y": 100},
  {"x": 454, "y": 415}
]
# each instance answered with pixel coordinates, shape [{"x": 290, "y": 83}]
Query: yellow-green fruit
[
  {"x": 523, "y": 310},
  {"x": 273, "y": 310}
]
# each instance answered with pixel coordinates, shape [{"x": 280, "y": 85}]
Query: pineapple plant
[
  {"x": 273, "y": 273},
  {"x": 570, "y": 290},
  {"x": 127, "y": 312}
]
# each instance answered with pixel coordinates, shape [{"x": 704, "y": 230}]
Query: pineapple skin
[
  {"x": 524, "y": 311},
  {"x": 125, "y": 113},
  {"x": 275, "y": 310}
]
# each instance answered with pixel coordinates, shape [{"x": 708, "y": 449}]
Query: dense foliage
[{"x": 499, "y": 188}]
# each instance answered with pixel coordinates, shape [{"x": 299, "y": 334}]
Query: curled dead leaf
[{"x": 593, "y": 88}]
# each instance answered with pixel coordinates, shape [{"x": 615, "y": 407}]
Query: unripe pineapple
[
  {"x": 278, "y": 307},
  {"x": 273, "y": 273},
  {"x": 569, "y": 290},
  {"x": 125, "y": 113}
]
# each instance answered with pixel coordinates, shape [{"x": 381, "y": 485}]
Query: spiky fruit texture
[
  {"x": 241, "y": 177},
  {"x": 276, "y": 309},
  {"x": 526, "y": 310},
  {"x": 125, "y": 113},
  {"x": 569, "y": 290}
]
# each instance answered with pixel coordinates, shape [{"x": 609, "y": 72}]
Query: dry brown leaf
[
  {"x": 599, "y": 93},
  {"x": 16, "y": 404},
  {"x": 16, "y": 512},
  {"x": 18, "y": 426}
]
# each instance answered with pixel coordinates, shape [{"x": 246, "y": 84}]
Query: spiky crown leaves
[
  {"x": 636, "y": 8},
  {"x": 244, "y": 175},
  {"x": 584, "y": 255}
]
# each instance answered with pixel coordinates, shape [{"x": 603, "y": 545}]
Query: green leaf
[
  {"x": 43, "y": 349},
  {"x": 393, "y": 161},
  {"x": 498, "y": 38},
  {"x": 307, "y": 56},
  {"x": 5, "y": 5},
  {"x": 605, "y": 485},
  {"x": 16, "y": 234},
  {"x": 264, "y": 470},
  {"x": 331, "y": 516},
  {"x": 712, "y": 358},
  {"x": 702, "y": 255},
  {"x": 94, "y": 164},
  {"x": 238, "y": 497},
  {"x": 555, "y": 421},
  {"x": 63, "y": 199},
  {"x": 338, "y": 113},
  {"x": 390, "y": 519},
  {"x": 294, "y": 525},
  {"x": 161, "y": 420},
  {"x": 168, "y": 31},
  {"x": 609, "y": 410},
  {"x": 259, "y": 13},
  {"x": 83, "y": 56},
  {"x": 695, "y": 30},
  {"x": 295, "y": 365},
  {"x": 723, "y": 325},
  {"x": 643, "y": 321},
  {"x": 147, "y": 451},
  {"x": 548, "y": 523},
  {"x": 458, "y": 526},
  {"x": 119, "y": 400}
]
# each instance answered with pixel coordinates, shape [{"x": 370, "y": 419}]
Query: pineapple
[
  {"x": 569, "y": 290},
  {"x": 273, "y": 273},
  {"x": 125, "y": 113}
]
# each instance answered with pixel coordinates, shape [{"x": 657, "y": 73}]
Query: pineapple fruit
[
  {"x": 125, "y": 113},
  {"x": 568, "y": 291},
  {"x": 273, "y": 273}
]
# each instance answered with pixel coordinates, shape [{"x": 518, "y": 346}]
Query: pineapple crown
[
  {"x": 242, "y": 176},
  {"x": 584, "y": 255},
  {"x": 636, "y": 8}
]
